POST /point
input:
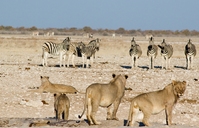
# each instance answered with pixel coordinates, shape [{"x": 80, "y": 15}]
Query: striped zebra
[
  {"x": 190, "y": 53},
  {"x": 74, "y": 50},
  {"x": 88, "y": 51},
  {"x": 135, "y": 52},
  {"x": 95, "y": 45},
  {"x": 166, "y": 53},
  {"x": 55, "y": 50},
  {"x": 152, "y": 51}
]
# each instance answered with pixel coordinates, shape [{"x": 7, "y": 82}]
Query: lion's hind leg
[
  {"x": 95, "y": 106},
  {"x": 133, "y": 114}
]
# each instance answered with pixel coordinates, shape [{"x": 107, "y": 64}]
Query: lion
[
  {"x": 61, "y": 106},
  {"x": 155, "y": 102},
  {"x": 47, "y": 86},
  {"x": 40, "y": 123},
  {"x": 104, "y": 95}
]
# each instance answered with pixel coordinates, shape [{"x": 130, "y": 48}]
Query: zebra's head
[
  {"x": 133, "y": 43},
  {"x": 66, "y": 43},
  {"x": 151, "y": 41},
  {"x": 163, "y": 44},
  {"x": 95, "y": 43}
]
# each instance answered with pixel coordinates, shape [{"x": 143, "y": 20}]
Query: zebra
[
  {"x": 166, "y": 53},
  {"x": 190, "y": 53},
  {"x": 74, "y": 50},
  {"x": 95, "y": 44},
  {"x": 152, "y": 51},
  {"x": 55, "y": 50},
  {"x": 88, "y": 51},
  {"x": 135, "y": 52}
]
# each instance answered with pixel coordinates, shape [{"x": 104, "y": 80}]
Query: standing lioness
[
  {"x": 104, "y": 95},
  {"x": 155, "y": 102}
]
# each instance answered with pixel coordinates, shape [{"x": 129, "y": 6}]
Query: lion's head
[{"x": 179, "y": 88}]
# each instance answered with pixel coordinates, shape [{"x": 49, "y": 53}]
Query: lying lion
[
  {"x": 104, "y": 95},
  {"x": 47, "y": 86},
  {"x": 155, "y": 102}
]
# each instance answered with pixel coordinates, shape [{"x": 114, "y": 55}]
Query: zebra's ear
[{"x": 113, "y": 75}]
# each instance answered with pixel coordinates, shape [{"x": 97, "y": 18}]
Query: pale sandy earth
[{"x": 20, "y": 70}]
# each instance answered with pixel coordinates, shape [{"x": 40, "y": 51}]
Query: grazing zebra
[
  {"x": 88, "y": 51},
  {"x": 135, "y": 52},
  {"x": 152, "y": 51},
  {"x": 55, "y": 50},
  {"x": 166, "y": 53},
  {"x": 190, "y": 52}
]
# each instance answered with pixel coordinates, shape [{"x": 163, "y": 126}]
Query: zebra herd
[
  {"x": 87, "y": 51},
  {"x": 71, "y": 49},
  {"x": 166, "y": 53}
]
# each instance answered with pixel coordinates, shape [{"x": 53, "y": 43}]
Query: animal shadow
[
  {"x": 180, "y": 67},
  {"x": 140, "y": 124},
  {"x": 126, "y": 67}
]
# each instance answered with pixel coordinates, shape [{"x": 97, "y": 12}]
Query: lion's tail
[
  {"x": 132, "y": 112},
  {"x": 85, "y": 105}
]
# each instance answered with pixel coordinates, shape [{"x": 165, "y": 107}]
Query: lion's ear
[
  {"x": 55, "y": 94},
  {"x": 126, "y": 76},
  {"x": 41, "y": 77},
  {"x": 173, "y": 82},
  {"x": 47, "y": 77},
  {"x": 184, "y": 82},
  {"x": 113, "y": 75}
]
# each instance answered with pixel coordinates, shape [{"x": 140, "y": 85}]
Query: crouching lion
[
  {"x": 61, "y": 106},
  {"x": 47, "y": 86},
  {"x": 155, "y": 102},
  {"x": 104, "y": 95}
]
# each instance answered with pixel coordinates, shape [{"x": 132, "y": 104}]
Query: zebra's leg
[
  {"x": 64, "y": 63},
  {"x": 135, "y": 61},
  {"x": 152, "y": 59},
  {"x": 166, "y": 59},
  {"x": 162, "y": 62},
  {"x": 191, "y": 61},
  {"x": 69, "y": 56},
  {"x": 132, "y": 61},
  {"x": 73, "y": 57},
  {"x": 45, "y": 58},
  {"x": 82, "y": 61},
  {"x": 91, "y": 61},
  {"x": 186, "y": 62},
  {"x": 87, "y": 61},
  {"x": 60, "y": 59}
]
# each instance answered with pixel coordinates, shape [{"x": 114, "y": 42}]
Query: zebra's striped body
[
  {"x": 55, "y": 50},
  {"x": 135, "y": 52},
  {"x": 152, "y": 51},
  {"x": 88, "y": 51},
  {"x": 190, "y": 52},
  {"x": 166, "y": 53}
]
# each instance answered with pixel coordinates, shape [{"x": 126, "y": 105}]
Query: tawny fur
[
  {"x": 61, "y": 106},
  {"x": 104, "y": 95},
  {"x": 155, "y": 102},
  {"x": 47, "y": 86}
]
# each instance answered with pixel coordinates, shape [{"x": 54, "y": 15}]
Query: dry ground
[{"x": 20, "y": 70}]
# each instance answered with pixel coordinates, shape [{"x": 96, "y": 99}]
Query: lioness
[
  {"x": 61, "y": 106},
  {"x": 155, "y": 102},
  {"x": 104, "y": 95},
  {"x": 47, "y": 86}
]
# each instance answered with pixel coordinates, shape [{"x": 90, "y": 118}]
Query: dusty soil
[{"x": 20, "y": 71}]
